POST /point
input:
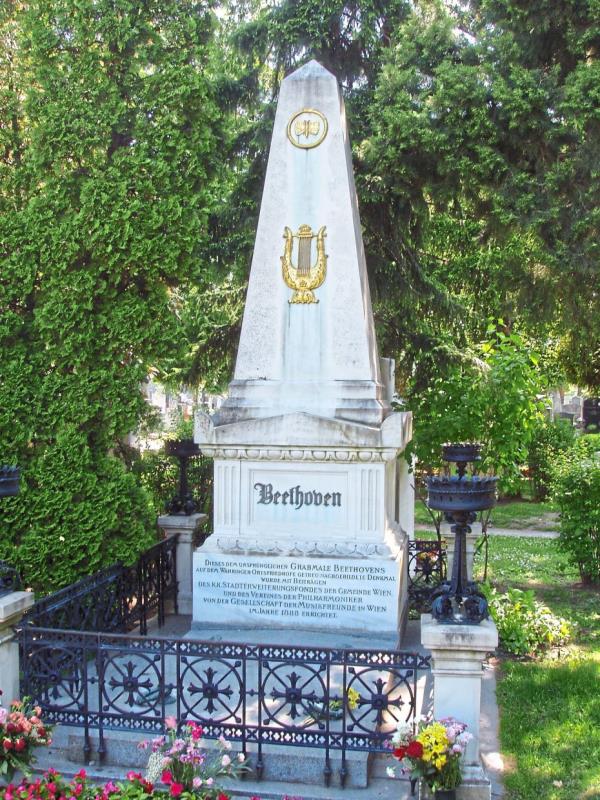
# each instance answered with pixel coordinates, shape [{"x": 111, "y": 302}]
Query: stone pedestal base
[
  {"x": 12, "y": 608},
  {"x": 458, "y": 652},
  {"x": 185, "y": 527},
  {"x": 360, "y": 589},
  {"x": 475, "y": 786}
]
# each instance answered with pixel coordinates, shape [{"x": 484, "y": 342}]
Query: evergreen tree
[{"x": 108, "y": 145}]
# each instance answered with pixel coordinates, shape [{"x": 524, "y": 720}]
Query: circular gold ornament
[{"x": 307, "y": 128}]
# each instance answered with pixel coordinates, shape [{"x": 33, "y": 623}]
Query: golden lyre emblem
[
  {"x": 307, "y": 128},
  {"x": 305, "y": 277}
]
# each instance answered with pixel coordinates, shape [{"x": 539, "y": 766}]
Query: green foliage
[
  {"x": 158, "y": 474},
  {"x": 550, "y": 438},
  {"x": 492, "y": 399},
  {"x": 576, "y": 492},
  {"x": 525, "y": 626},
  {"x": 485, "y": 143},
  {"x": 105, "y": 188}
]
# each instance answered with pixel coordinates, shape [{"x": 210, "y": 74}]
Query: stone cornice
[{"x": 339, "y": 455}]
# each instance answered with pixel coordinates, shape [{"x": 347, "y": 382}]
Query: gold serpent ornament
[{"x": 305, "y": 277}]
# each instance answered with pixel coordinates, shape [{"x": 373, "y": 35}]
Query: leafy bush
[
  {"x": 77, "y": 512},
  {"x": 576, "y": 492},
  {"x": 158, "y": 474},
  {"x": 525, "y": 626},
  {"x": 104, "y": 205},
  {"x": 550, "y": 438},
  {"x": 490, "y": 396}
]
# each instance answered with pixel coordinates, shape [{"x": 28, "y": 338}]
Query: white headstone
[{"x": 309, "y": 497}]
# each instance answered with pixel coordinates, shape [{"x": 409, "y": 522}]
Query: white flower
[
  {"x": 224, "y": 743},
  {"x": 225, "y": 761},
  {"x": 241, "y": 758},
  {"x": 155, "y": 767},
  {"x": 390, "y": 772}
]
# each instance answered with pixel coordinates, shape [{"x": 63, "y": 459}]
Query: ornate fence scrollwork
[
  {"x": 256, "y": 696},
  {"x": 116, "y": 599},
  {"x": 426, "y": 570}
]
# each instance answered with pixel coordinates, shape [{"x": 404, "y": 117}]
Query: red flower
[
  {"x": 167, "y": 777},
  {"x": 222, "y": 796},
  {"x": 134, "y": 776},
  {"x": 147, "y": 786},
  {"x": 176, "y": 789},
  {"x": 20, "y": 745},
  {"x": 400, "y": 753},
  {"x": 7, "y": 744},
  {"x": 414, "y": 749}
]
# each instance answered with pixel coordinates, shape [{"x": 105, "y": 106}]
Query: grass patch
[
  {"x": 550, "y": 709},
  {"x": 525, "y": 562},
  {"x": 519, "y": 515},
  {"x": 550, "y": 729}
]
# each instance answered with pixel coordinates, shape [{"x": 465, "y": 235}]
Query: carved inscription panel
[
  {"x": 321, "y": 592},
  {"x": 293, "y": 500}
]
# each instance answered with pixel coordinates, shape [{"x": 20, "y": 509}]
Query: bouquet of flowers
[
  {"x": 21, "y": 729},
  {"x": 432, "y": 753},
  {"x": 178, "y": 761}
]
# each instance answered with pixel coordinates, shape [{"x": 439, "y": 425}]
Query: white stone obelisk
[{"x": 312, "y": 504}]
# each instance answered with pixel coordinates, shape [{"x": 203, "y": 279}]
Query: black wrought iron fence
[
  {"x": 337, "y": 700},
  {"x": 426, "y": 570},
  {"x": 116, "y": 599}
]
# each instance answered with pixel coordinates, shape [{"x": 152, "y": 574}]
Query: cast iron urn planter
[
  {"x": 9, "y": 481},
  {"x": 460, "y": 497},
  {"x": 183, "y": 450}
]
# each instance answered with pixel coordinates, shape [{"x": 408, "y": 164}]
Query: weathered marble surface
[
  {"x": 321, "y": 358},
  {"x": 306, "y": 446}
]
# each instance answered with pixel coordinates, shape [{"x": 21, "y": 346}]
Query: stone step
[
  {"x": 300, "y": 769},
  {"x": 246, "y": 788}
]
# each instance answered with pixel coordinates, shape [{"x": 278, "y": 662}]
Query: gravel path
[{"x": 515, "y": 533}]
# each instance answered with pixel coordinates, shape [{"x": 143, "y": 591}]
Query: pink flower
[
  {"x": 241, "y": 758},
  {"x": 225, "y": 761},
  {"x": 197, "y": 782},
  {"x": 170, "y": 723},
  {"x": 167, "y": 777},
  {"x": 176, "y": 789},
  {"x": 195, "y": 730}
]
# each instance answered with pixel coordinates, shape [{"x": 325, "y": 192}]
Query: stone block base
[
  {"x": 475, "y": 786},
  {"x": 304, "y": 592}
]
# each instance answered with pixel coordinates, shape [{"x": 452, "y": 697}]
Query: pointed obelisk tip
[{"x": 311, "y": 70}]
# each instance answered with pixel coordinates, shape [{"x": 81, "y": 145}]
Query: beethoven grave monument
[{"x": 312, "y": 500}]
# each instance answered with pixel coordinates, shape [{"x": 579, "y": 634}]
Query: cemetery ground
[
  {"x": 512, "y": 514},
  {"x": 550, "y": 705}
]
